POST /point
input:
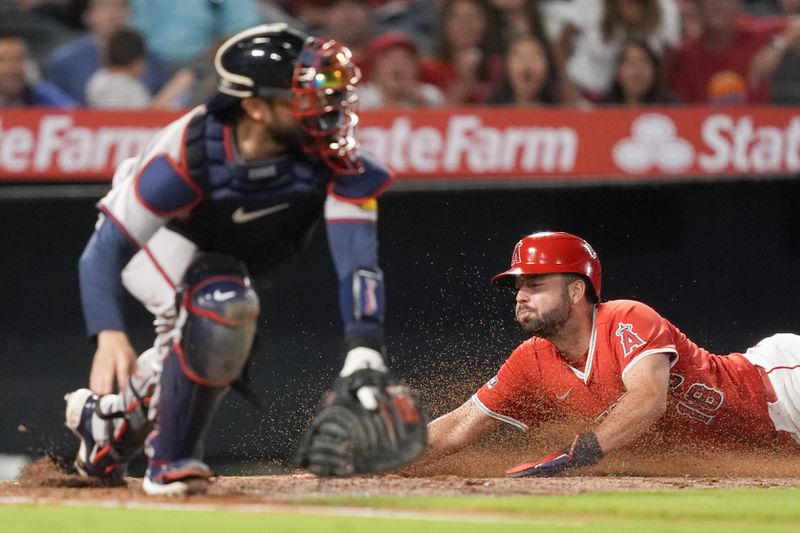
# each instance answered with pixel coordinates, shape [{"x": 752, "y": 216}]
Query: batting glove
[{"x": 583, "y": 451}]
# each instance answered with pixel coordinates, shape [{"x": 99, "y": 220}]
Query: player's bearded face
[{"x": 545, "y": 323}]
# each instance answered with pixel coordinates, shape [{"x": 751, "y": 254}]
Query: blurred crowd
[{"x": 158, "y": 54}]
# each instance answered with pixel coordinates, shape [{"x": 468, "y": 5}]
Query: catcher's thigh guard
[{"x": 218, "y": 316}]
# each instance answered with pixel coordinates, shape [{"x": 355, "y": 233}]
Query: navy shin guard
[{"x": 185, "y": 413}]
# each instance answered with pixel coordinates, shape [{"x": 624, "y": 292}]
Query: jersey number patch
[
  {"x": 628, "y": 338},
  {"x": 700, "y": 401}
]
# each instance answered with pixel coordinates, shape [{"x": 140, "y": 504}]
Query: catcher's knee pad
[{"x": 219, "y": 309}]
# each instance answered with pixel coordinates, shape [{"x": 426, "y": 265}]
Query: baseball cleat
[
  {"x": 179, "y": 478},
  {"x": 91, "y": 460}
]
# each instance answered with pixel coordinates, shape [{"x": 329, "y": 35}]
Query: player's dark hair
[
  {"x": 7, "y": 32},
  {"x": 125, "y": 46},
  {"x": 230, "y": 114},
  {"x": 589, "y": 294}
]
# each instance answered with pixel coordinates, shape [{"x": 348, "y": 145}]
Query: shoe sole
[{"x": 184, "y": 487}]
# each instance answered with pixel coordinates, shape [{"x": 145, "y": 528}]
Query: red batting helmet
[{"x": 552, "y": 252}]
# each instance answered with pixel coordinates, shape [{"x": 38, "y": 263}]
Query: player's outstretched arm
[
  {"x": 456, "y": 430},
  {"x": 643, "y": 404}
]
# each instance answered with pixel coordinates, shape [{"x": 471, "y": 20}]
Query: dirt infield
[
  {"x": 653, "y": 463},
  {"x": 283, "y": 488},
  {"x": 44, "y": 481}
]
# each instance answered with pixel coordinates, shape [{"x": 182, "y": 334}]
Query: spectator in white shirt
[
  {"x": 117, "y": 84},
  {"x": 591, "y": 42}
]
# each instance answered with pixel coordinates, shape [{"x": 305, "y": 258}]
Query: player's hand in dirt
[
  {"x": 583, "y": 451},
  {"x": 114, "y": 361}
]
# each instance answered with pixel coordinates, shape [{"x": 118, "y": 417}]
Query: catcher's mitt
[{"x": 346, "y": 437}]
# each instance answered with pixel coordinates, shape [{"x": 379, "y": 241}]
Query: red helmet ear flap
[
  {"x": 552, "y": 252},
  {"x": 325, "y": 102}
]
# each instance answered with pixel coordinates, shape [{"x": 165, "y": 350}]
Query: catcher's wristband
[{"x": 366, "y": 338}]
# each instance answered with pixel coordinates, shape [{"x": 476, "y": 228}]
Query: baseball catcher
[{"x": 233, "y": 187}]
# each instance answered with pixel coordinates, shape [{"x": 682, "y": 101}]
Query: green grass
[
  {"x": 706, "y": 511},
  {"x": 753, "y": 505},
  {"x": 68, "y": 520}
]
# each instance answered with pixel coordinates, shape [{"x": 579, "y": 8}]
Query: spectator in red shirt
[
  {"x": 468, "y": 65},
  {"x": 779, "y": 63},
  {"x": 716, "y": 67},
  {"x": 392, "y": 75}
]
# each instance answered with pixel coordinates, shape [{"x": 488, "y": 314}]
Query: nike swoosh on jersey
[
  {"x": 562, "y": 397},
  {"x": 240, "y": 216}
]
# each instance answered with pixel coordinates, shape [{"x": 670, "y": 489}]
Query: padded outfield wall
[{"x": 719, "y": 258}]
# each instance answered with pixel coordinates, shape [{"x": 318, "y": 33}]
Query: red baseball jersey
[{"x": 710, "y": 396}]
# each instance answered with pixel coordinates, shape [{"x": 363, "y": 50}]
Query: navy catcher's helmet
[
  {"x": 319, "y": 77},
  {"x": 260, "y": 61}
]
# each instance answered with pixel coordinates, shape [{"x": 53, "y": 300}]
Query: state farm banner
[
  {"x": 598, "y": 144},
  {"x": 72, "y": 146},
  {"x": 463, "y": 144}
]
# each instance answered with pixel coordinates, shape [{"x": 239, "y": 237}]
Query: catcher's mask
[
  {"x": 552, "y": 252},
  {"x": 325, "y": 102},
  {"x": 317, "y": 76}
]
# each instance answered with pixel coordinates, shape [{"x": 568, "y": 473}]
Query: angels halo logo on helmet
[
  {"x": 552, "y": 252},
  {"x": 317, "y": 76}
]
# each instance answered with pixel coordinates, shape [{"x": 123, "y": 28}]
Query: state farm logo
[
  {"x": 467, "y": 145},
  {"x": 653, "y": 143},
  {"x": 57, "y": 144}
]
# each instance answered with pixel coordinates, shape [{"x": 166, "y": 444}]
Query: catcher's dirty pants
[
  {"x": 205, "y": 324},
  {"x": 161, "y": 405}
]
